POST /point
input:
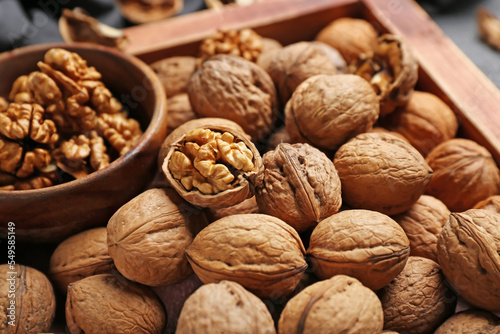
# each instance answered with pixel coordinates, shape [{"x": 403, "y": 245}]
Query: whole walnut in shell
[
  {"x": 179, "y": 111},
  {"x": 108, "y": 304},
  {"x": 464, "y": 174},
  {"x": 247, "y": 206},
  {"x": 224, "y": 307},
  {"x": 237, "y": 89},
  {"x": 261, "y": 252},
  {"x": 418, "y": 300},
  {"x": 300, "y": 185},
  {"x": 422, "y": 224},
  {"x": 470, "y": 322},
  {"x": 327, "y": 110},
  {"x": 81, "y": 255},
  {"x": 364, "y": 244},
  {"x": 492, "y": 203},
  {"x": 27, "y": 300},
  {"x": 469, "y": 254},
  {"x": 269, "y": 49},
  {"x": 148, "y": 235},
  {"x": 381, "y": 172},
  {"x": 340, "y": 304}
]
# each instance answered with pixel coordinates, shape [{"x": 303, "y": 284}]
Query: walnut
[
  {"x": 297, "y": 62},
  {"x": 470, "y": 322},
  {"x": 491, "y": 203},
  {"x": 237, "y": 89},
  {"x": 11, "y": 154},
  {"x": 72, "y": 156},
  {"x": 81, "y": 255},
  {"x": 244, "y": 43},
  {"x": 384, "y": 130},
  {"x": 269, "y": 49},
  {"x": 418, "y": 300},
  {"x": 179, "y": 111},
  {"x": 104, "y": 102},
  {"x": 210, "y": 162},
  {"x": 464, "y": 174},
  {"x": 27, "y": 300},
  {"x": 261, "y": 252},
  {"x": 16, "y": 120},
  {"x": 247, "y": 206},
  {"x": 300, "y": 185},
  {"x": 98, "y": 156},
  {"x": 422, "y": 224},
  {"x": 381, "y": 172},
  {"x": 367, "y": 245},
  {"x": 469, "y": 253},
  {"x": 107, "y": 304},
  {"x": 151, "y": 232},
  {"x": 33, "y": 182},
  {"x": 392, "y": 72},
  {"x": 425, "y": 121},
  {"x": 347, "y": 107},
  {"x": 224, "y": 307},
  {"x": 71, "y": 64},
  {"x": 44, "y": 91},
  {"x": 4, "y": 104},
  {"x": 174, "y": 73},
  {"x": 337, "y": 305},
  {"x": 350, "y": 36},
  {"x": 20, "y": 92},
  {"x": 489, "y": 27},
  {"x": 38, "y": 158},
  {"x": 121, "y": 132}
]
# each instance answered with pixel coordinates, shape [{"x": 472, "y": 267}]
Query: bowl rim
[{"x": 158, "y": 119}]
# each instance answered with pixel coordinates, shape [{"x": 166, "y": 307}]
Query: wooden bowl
[{"x": 54, "y": 213}]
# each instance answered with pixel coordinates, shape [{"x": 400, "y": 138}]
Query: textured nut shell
[
  {"x": 351, "y": 37},
  {"x": 470, "y": 322},
  {"x": 297, "y": 62},
  {"x": 224, "y": 307},
  {"x": 300, "y": 185},
  {"x": 148, "y": 235},
  {"x": 261, "y": 252},
  {"x": 422, "y": 224},
  {"x": 468, "y": 252},
  {"x": 381, "y": 172},
  {"x": 35, "y": 302},
  {"x": 337, "y": 305},
  {"x": 269, "y": 49},
  {"x": 174, "y": 73},
  {"x": 108, "y": 304},
  {"x": 179, "y": 111},
  {"x": 224, "y": 199},
  {"x": 492, "y": 203},
  {"x": 418, "y": 299},
  {"x": 425, "y": 121},
  {"x": 327, "y": 110},
  {"x": 384, "y": 130},
  {"x": 364, "y": 244},
  {"x": 81, "y": 255},
  {"x": 464, "y": 174},
  {"x": 247, "y": 206},
  {"x": 237, "y": 89}
]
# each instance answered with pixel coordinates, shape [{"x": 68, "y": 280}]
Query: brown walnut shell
[
  {"x": 27, "y": 300},
  {"x": 174, "y": 73},
  {"x": 234, "y": 88},
  {"x": 247, "y": 206},
  {"x": 327, "y": 110},
  {"x": 300, "y": 185},
  {"x": 469, "y": 254},
  {"x": 492, "y": 203},
  {"x": 464, "y": 174},
  {"x": 148, "y": 235},
  {"x": 418, "y": 300},
  {"x": 381, "y": 172},
  {"x": 337, "y": 305},
  {"x": 108, "y": 304},
  {"x": 261, "y": 252},
  {"x": 470, "y": 322},
  {"x": 81, "y": 255},
  {"x": 224, "y": 307},
  {"x": 364, "y": 244},
  {"x": 422, "y": 224},
  {"x": 179, "y": 111},
  {"x": 269, "y": 49}
]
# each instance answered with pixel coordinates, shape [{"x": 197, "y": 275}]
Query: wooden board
[{"x": 444, "y": 69}]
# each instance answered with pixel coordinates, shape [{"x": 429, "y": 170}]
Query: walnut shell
[
  {"x": 108, "y": 304},
  {"x": 81, "y": 255},
  {"x": 148, "y": 235},
  {"x": 297, "y": 62},
  {"x": 237, "y": 89},
  {"x": 350, "y": 36},
  {"x": 469, "y": 254},
  {"x": 464, "y": 174},
  {"x": 224, "y": 307},
  {"x": 27, "y": 300},
  {"x": 364, "y": 244},
  {"x": 470, "y": 322},
  {"x": 381, "y": 172},
  {"x": 337, "y": 305},
  {"x": 269, "y": 49},
  {"x": 327, "y": 110},
  {"x": 179, "y": 111},
  {"x": 418, "y": 299},
  {"x": 426, "y": 121},
  {"x": 422, "y": 224},
  {"x": 300, "y": 185},
  {"x": 261, "y": 252},
  {"x": 174, "y": 73},
  {"x": 247, "y": 206},
  {"x": 492, "y": 203}
]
